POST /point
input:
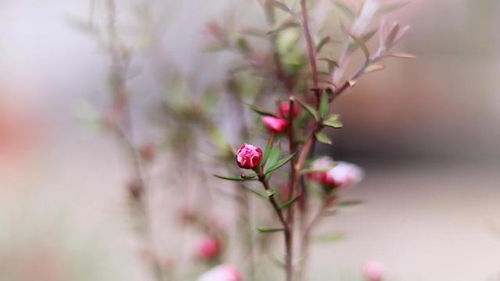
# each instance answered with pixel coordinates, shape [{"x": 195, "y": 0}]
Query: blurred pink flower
[
  {"x": 274, "y": 125},
  {"x": 208, "y": 248},
  {"x": 284, "y": 110},
  {"x": 323, "y": 164},
  {"x": 373, "y": 271},
  {"x": 248, "y": 156},
  {"x": 342, "y": 174},
  {"x": 221, "y": 273}
]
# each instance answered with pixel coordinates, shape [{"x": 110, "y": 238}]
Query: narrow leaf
[
  {"x": 349, "y": 203},
  {"x": 279, "y": 164},
  {"x": 259, "y": 194},
  {"x": 232, "y": 178},
  {"x": 373, "y": 68},
  {"x": 333, "y": 121},
  {"x": 289, "y": 203},
  {"x": 261, "y": 111},
  {"x": 324, "y": 106},
  {"x": 331, "y": 63},
  {"x": 321, "y": 137},
  {"x": 273, "y": 157},
  {"x": 266, "y": 229},
  {"x": 280, "y": 6},
  {"x": 310, "y": 110},
  {"x": 283, "y": 26},
  {"x": 357, "y": 42},
  {"x": 322, "y": 43},
  {"x": 345, "y": 9},
  {"x": 331, "y": 237}
]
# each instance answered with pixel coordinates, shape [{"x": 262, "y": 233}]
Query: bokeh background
[{"x": 426, "y": 131}]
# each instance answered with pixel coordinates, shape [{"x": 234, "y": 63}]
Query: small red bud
[
  {"x": 208, "y": 248},
  {"x": 274, "y": 125},
  {"x": 147, "y": 152},
  {"x": 284, "y": 109},
  {"x": 248, "y": 156}
]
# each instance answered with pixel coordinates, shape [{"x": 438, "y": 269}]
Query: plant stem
[
  {"x": 286, "y": 228},
  {"x": 310, "y": 44}
]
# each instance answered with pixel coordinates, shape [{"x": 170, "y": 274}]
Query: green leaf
[
  {"x": 232, "y": 178},
  {"x": 266, "y": 229},
  {"x": 373, "y": 68},
  {"x": 322, "y": 43},
  {"x": 321, "y": 137},
  {"x": 280, "y": 6},
  {"x": 249, "y": 177},
  {"x": 345, "y": 9},
  {"x": 349, "y": 203},
  {"x": 331, "y": 237},
  {"x": 273, "y": 157},
  {"x": 324, "y": 105},
  {"x": 279, "y": 164},
  {"x": 310, "y": 110},
  {"x": 260, "y": 194},
  {"x": 359, "y": 43},
  {"x": 243, "y": 45},
  {"x": 289, "y": 203},
  {"x": 333, "y": 121},
  {"x": 331, "y": 63},
  {"x": 283, "y": 26},
  {"x": 261, "y": 111}
]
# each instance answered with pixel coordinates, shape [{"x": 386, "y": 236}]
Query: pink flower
[
  {"x": 323, "y": 164},
  {"x": 274, "y": 125},
  {"x": 284, "y": 109},
  {"x": 373, "y": 271},
  {"x": 208, "y": 248},
  {"x": 248, "y": 156},
  {"x": 221, "y": 273},
  {"x": 342, "y": 174}
]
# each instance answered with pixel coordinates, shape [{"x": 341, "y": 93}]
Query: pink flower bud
[
  {"x": 208, "y": 248},
  {"x": 248, "y": 156},
  {"x": 274, "y": 125},
  {"x": 342, "y": 174},
  {"x": 147, "y": 152},
  {"x": 221, "y": 273},
  {"x": 284, "y": 109},
  {"x": 373, "y": 271},
  {"x": 320, "y": 164}
]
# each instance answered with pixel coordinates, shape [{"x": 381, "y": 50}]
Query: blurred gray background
[{"x": 426, "y": 131}]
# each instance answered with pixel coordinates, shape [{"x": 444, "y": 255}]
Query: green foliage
[
  {"x": 323, "y": 138},
  {"x": 333, "y": 121},
  {"x": 278, "y": 164},
  {"x": 265, "y": 229},
  {"x": 314, "y": 114},
  {"x": 330, "y": 237},
  {"x": 289, "y": 203}
]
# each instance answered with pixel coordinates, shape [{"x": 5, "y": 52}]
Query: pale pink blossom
[
  {"x": 373, "y": 271},
  {"x": 341, "y": 174},
  {"x": 221, "y": 273}
]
